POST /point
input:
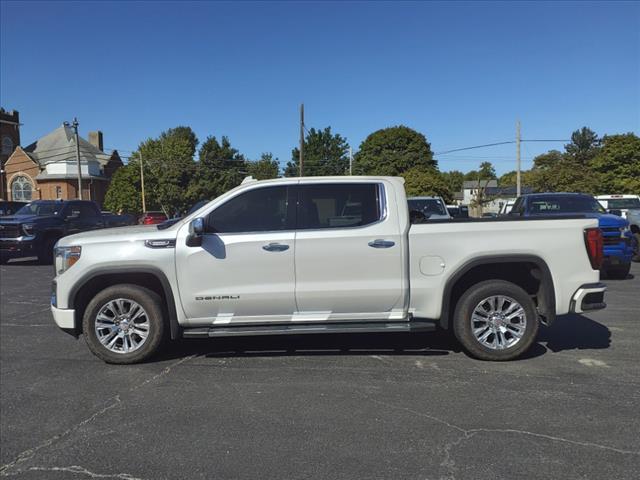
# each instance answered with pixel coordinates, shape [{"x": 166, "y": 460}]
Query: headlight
[
  {"x": 28, "y": 229},
  {"x": 66, "y": 257}
]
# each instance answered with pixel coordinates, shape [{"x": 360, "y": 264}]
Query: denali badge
[{"x": 219, "y": 297}]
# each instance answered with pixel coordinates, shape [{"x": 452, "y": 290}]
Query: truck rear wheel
[
  {"x": 495, "y": 320},
  {"x": 124, "y": 324}
]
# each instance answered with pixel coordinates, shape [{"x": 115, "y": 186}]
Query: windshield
[
  {"x": 431, "y": 206},
  {"x": 623, "y": 203},
  {"x": 40, "y": 209},
  {"x": 565, "y": 204}
]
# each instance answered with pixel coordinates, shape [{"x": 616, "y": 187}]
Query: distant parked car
[
  {"x": 633, "y": 217},
  {"x": 616, "y": 233},
  {"x": 37, "y": 226},
  {"x": 619, "y": 204},
  {"x": 9, "y": 208},
  {"x": 507, "y": 206},
  {"x": 433, "y": 208},
  {"x": 489, "y": 214},
  {"x": 152, "y": 218},
  {"x": 458, "y": 211}
]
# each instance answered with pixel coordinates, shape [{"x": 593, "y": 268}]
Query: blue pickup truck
[
  {"x": 616, "y": 235},
  {"x": 35, "y": 228}
]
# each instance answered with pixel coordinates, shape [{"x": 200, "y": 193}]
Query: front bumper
[
  {"x": 17, "y": 247},
  {"x": 65, "y": 319},
  {"x": 588, "y": 297}
]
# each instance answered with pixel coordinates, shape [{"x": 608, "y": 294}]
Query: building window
[
  {"x": 58, "y": 192},
  {"x": 21, "y": 189},
  {"x": 7, "y": 146}
]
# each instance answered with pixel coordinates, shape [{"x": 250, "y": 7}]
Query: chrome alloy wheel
[
  {"x": 122, "y": 325},
  {"x": 498, "y": 322}
]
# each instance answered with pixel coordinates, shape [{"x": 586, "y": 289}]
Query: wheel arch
[
  {"x": 528, "y": 271},
  {"x": 149, "y": 277}
]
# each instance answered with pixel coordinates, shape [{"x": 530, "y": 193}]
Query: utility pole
[
  {"x": 518, "y": 186},
  {"x": 75, "y": 129},
  {"x": 144, "y": 205},
  {"x": 350, "y": 161},
  {"x": 301, "y": 138}
]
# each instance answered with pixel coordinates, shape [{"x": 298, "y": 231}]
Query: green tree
[
  {"x": 393, "y": 151},
  {"x": 265, "y": 168},
  {"x": 124, "y": 192},
  {"x": 617, "y": 164},
  {"x": 547, "y": 160},
  {"x": 426, "y": 181},
  {"x": 485, "y": 172},
  {"x": 220, "y": 168},
  {"x": 584, "y": 145},
  {"x": 325, "y": 153},
  {"x": 565, "y": 176},
  {"x": 454, "y": 179},
  {"x": 168, "y": 168},
  {"x": 509, "y": 179}
]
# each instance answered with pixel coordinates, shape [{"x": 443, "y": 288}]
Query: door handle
[
  {"x": 275, "y": 247},
  {"x": 379, "y": 243}
]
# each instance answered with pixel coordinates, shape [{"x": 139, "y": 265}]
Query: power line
[{"x": 496, "y": 144}]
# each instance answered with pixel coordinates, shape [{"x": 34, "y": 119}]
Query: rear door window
[{"x": 338, "y": 205}]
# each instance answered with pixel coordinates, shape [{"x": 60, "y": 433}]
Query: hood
[
  {"x": 119, "y": 234},
  {"x": 16, "y": 219},
  {"x": 608, "y": 220}
]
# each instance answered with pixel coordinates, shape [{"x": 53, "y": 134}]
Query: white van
[{"x": 624, "y": 203}]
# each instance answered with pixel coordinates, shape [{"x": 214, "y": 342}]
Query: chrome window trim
[{"x": 382, "y": 201}]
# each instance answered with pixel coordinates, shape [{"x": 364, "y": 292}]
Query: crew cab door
[
  {"x": 348, "y": 252},
  {"x": 244, "y": 269}
]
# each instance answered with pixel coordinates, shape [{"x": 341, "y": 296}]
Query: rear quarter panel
[{"x": 438, "y": 250}]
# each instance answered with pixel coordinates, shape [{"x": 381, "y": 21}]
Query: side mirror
[
  {"x": 615, "y": 211},
  {"x": 196, "y": 229}
]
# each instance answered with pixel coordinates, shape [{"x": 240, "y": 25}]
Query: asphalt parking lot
[{"x": 334, "y": 406}]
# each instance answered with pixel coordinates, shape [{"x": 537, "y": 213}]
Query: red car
[{"x": 152, "y": 218}]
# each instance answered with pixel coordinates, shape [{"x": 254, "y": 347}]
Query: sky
[{"x": 460, "y": 73}]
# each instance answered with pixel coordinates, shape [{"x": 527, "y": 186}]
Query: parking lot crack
[
  {"x": 30, "y": 453},
  {"x": 6, "y": 469},
  {"x": 76, "y": 469},
  {"x": 466, "y": 434}
]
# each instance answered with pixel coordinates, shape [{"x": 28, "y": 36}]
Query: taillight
[{"x": 594, "y": 243}]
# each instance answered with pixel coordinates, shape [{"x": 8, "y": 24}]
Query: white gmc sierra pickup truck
[{"x": 318, "y": 255}]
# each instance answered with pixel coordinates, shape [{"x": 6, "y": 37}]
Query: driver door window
[{"x": 259, "y": 210}]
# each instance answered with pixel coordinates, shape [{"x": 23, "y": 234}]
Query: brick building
[
  {"x": 9, "y": 140},
  {"x": 47, "y": 169}
]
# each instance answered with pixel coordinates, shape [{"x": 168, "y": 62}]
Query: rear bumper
[{"x": 588, "y": 297}]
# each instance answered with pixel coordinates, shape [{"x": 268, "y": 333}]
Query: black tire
[
  {"x": 150, "y": 302},
  {"x": 619, "y": 272},
  {"x": 462, "y": 326},
  {"x": 45, "y": 252}
]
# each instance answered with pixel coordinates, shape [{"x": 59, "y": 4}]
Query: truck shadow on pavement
[{"x": 570, "y": 332}]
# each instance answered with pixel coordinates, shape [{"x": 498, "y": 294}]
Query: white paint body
[{"x": 330, "y": 274}]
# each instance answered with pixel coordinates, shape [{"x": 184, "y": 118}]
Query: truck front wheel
[
  {"x": 124, "y": 324},
  {"x": 495, "y": 320}
]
